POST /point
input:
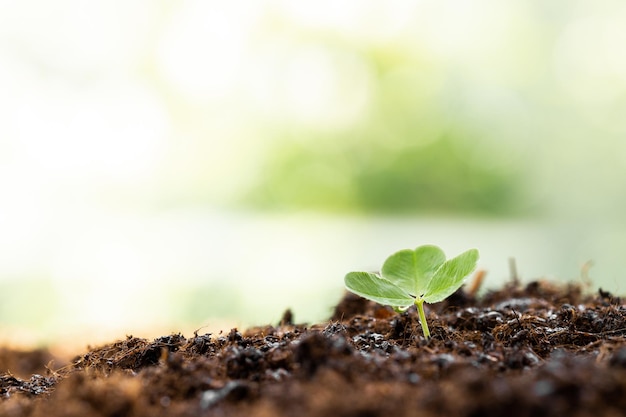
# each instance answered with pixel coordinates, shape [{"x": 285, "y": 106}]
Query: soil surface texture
[{"x": 533, "y": 350}]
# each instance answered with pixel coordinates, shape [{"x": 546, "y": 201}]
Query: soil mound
[{"x": 537, "y": 350}]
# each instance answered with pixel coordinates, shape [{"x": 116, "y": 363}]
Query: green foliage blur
[
  {"x": 440, "y": 177},
  {"x": 413, "y": 152}
]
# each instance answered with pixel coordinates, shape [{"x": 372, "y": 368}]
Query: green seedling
[{"x": 414, "y": 277}]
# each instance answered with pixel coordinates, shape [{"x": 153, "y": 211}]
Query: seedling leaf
[
  {"x": 450, "y": 276},
  {"x": 412, "y": 270},
  {"x": 414, "y": 277},
  {"x": 377, "y": 289}
]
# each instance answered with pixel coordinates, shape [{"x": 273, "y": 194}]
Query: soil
[{"x": 535, "y": 350}]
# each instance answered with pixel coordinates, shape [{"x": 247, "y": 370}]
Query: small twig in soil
[
  {"x": 584, "y": 273},
  {"x": 477, "y": 281},
  {"x": 513, "y": 271}
]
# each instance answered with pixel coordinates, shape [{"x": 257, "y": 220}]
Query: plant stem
[{"x": 420, "y": 310}]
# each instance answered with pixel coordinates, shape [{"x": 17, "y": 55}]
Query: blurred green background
[{"x": 176, "y": 164}]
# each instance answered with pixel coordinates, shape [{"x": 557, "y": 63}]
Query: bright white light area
[
  {"x": 65, "y": 151},
  {"x": 78, "y": 37},
  {"x": 314, "y": 85},
  {"x": 203, "y": 51},
  {"x": 112, "y": 132},
  {"x": 325, "y": 88},
  {"x": 481, "y": 40},
  {"x": 365, "y": 20},
  {"x": 214, "y": 52},
  {"x": 591, "y": 66},
  {"x": 76, "y": 123}
]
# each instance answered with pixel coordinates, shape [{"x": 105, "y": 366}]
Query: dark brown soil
[{"x": 538, "y": 350}]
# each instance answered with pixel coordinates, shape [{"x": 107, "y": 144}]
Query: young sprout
[{"x": 414, "y": 277}]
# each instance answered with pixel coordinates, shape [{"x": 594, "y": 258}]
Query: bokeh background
[{"x": 168, "y": 164}]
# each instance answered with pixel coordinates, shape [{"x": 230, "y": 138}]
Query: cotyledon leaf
[
  {"x": 375, "y": 288},
  {"x": 412, "y": 270},
  {"x": 450, "y": 276}
]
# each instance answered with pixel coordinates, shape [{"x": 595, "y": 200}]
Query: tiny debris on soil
[{"x": 536, "y": 350}]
